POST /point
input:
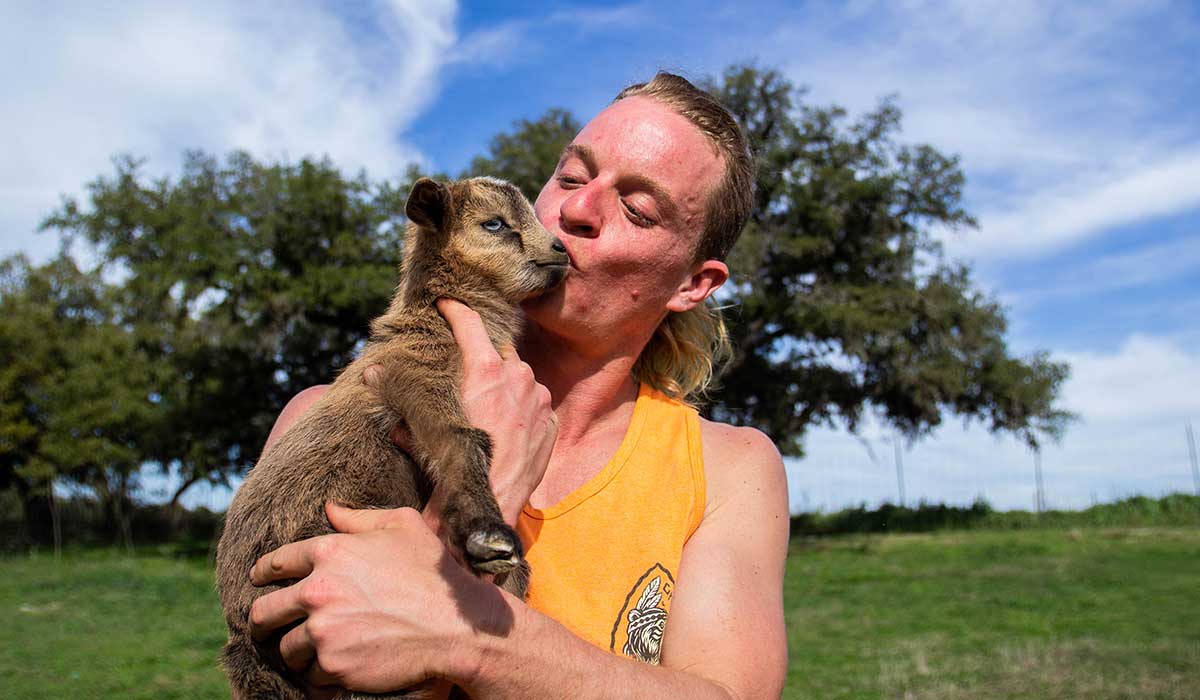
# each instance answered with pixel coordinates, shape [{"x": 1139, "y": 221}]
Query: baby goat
[{"x": 477, "y": 241}]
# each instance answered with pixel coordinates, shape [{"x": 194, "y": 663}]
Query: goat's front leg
[{"x": 458, "y": 458}]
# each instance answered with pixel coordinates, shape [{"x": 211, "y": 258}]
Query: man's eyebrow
[
  {"x": 662, "y": 198},
  {"x": 584, "y": 153}
]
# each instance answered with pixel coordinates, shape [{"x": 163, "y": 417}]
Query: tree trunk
[
  {"x": 56, "y": 522},
  {"x": 124, "y": 512},
  {"x": 38, "y": 520},
  {"x": 116, "y": 514}
]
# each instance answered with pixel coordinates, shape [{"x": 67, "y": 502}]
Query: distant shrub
[
  {"x": 926, "y": 517},
  {"x": 84, "y": 524},
  {"x": 1174, "y": 510},
  {"x": 1177, "y": 509}
]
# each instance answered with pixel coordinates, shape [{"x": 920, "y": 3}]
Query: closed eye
[{"x": 637, "y": 216}]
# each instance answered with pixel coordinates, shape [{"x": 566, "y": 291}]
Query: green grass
[
  {"x": 1051, "y": 614},
  {"x": 1097, "y": 614},
  {"x": 104, "y": 624}
]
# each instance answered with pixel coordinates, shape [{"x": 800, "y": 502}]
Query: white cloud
[
  {"x": 497, "y": 46},
  {"x": 518, "y": 40},
  {"x": 1045, "y": 221},
  {"x": 1132, "y": 403},
  {"x": 589, "y": 19},
  {"x": 153, "y": 79},
  {"x": 1147, "y": 381},
  {"x": 1066, "y": 114}
]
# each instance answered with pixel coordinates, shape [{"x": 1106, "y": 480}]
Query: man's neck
[
  {"x": 586, "y": 387},
  {"x": 593, "y": 394}
]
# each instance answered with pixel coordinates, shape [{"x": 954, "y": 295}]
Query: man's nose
[{"x": 580, "y": 213}]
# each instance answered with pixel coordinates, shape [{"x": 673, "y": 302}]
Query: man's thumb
[{"x": 352, "y": 520}]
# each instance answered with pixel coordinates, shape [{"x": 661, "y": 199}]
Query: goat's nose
[{"x": 557, "y": 246}]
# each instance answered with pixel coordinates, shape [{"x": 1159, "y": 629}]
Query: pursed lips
[{"x": 570, "y": 258}]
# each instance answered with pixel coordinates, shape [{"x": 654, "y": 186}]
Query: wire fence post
[
  {"x": 1192, "y": 453},
  {"x": 1039, "y": 496}
]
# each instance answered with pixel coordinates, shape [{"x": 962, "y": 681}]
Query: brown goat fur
[{"x": 477, "y": 241}]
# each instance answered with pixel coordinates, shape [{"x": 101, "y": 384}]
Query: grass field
[
  {"x": 103, "y": 624},
  {"x": 1094, "y": 614}
]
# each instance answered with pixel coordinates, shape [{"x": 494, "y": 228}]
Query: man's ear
[
  {"x": 705, "y": 279},
  {"x": 428, "y": 204}
]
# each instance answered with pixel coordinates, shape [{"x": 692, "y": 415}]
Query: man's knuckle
[
  {"x": 335, "y": 667},
  {"x": 335, "y": 664},
  {"x": 405, "y": 516},
  {"x": 318, "y": 630},
  {"x": 313, "y": 593},
  {"x": 325, "y": 548},
  {"x": 396, "y": 518}
]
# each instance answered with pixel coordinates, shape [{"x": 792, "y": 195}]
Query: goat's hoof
[{"x": 493, "y": 548}]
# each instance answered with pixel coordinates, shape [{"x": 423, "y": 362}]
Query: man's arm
[
  {"x": 725, "y": 636},
  {"x": 731, "y": 576}
]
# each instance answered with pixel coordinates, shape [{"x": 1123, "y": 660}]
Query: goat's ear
[{"x": 428, "y": 204}]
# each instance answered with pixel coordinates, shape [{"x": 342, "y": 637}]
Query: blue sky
[{"x": 1076, "y": 124}]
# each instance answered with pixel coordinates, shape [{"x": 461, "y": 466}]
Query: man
[{"x": 630, "y": 505}]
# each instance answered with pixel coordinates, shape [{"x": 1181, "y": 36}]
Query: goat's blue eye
[{"x": 493, "y": 225}]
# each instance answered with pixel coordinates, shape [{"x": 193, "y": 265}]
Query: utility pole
[
  {"x": 900, "y": 470},
  {"x": 1192, "y": 452},
  {"x": 1040, "y": 495}
]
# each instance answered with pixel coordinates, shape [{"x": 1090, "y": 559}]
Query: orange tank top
[{"x": 604, "y": 558}]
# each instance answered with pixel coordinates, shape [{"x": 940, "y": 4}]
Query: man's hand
[
  {"x": 501, "y": 397},
  {"x": 383, "y": 605}
]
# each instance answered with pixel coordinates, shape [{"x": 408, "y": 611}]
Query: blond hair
[
  {"x": 689, "y": 349},
  {"x": 686, "y": 354}
]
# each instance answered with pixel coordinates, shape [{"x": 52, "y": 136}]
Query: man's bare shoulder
[
  {"x": 294, "y": 409},
  {"x": 723, "y": 440},
  {"x": 737, "y": 458}
]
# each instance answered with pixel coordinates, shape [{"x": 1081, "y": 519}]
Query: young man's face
[{"x": 628, "y": 200}]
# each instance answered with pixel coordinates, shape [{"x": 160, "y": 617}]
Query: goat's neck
[{"x": 425, "y": 283}]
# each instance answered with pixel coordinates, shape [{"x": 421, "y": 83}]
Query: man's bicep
[{"x": 726, "y": 620}]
